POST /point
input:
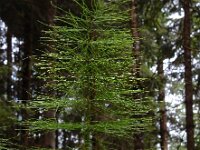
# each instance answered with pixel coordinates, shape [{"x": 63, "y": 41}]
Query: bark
[
  {"x": 138, "y": 138},
  {"x": 51, "y": 11},
  {"x": 26, "y": 72},
  {"x": 26, "y": 62},
  {"x": 49, "y": 138},
  {"x": 188, "y": 75},
  {"x": 9, "y": 63},
  {"x": 135, "y": 35},
  {"x": 89, "y": 92},
  {"x": 163, "y": 115}
]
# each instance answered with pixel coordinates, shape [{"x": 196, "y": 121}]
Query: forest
[{"x": 99, "y": 74}]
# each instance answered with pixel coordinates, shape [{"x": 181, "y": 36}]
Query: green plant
[{"x": 88, "y": 74}]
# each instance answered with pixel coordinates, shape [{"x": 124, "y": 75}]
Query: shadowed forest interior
[{"x": 100, "y": 74}]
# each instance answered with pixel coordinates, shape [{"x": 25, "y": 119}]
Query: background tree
[
  {"x": 160, "y": 26},
  {"x": 188, "y": 74}
]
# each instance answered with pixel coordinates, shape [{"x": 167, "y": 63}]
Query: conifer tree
[
  {"x": 188, "y": 74},
  {"x": 88, "y": 74}
]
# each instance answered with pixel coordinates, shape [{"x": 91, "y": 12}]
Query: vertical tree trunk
[
  {"x": 26, "y": 62},
  {"x": 135, "y": 35},
  {"x": 188, "y": 75},
  {"x": 26, "y": 72},
  {"x": 163, "y": 115},
  {"x": 9, "y": 62},
  {"x": 89, "y": 93},
  {"x": 138, "y": 138},
  {"x": 49, "y": 138}
]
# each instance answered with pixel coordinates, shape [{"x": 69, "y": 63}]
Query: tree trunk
[
  {"x": 188, "y": 75},
  {"x": 135, "y": 35},
  {"x": 138, "y": 137},
  {"x": 26, "y": 72},
  {"x": 163, "y": 115},
  {"x": 50, "y": 137},
  {"x": 9, "y": 63},
  {"x": 26, "y": 62}
]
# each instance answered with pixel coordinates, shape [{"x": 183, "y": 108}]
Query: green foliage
[
  {"x": 3, "y": 71},
  {"x": 4, "y": 114},
  {"x": 88, "y": 73},
  {"x": 6, "y": 122}
]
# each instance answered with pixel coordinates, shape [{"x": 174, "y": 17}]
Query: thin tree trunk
[
  {"x": 26, "y": 62},
  {"x": 135, "y": 35},
  {"x": 9, "y": 63},
  {"x": 138, "y": 138},
  {"x": 49, "y": 138},
  {"x": 26, "y": 72},
  {"x": 163, "y": 115},
  {"x": 188, "y": 75}
]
